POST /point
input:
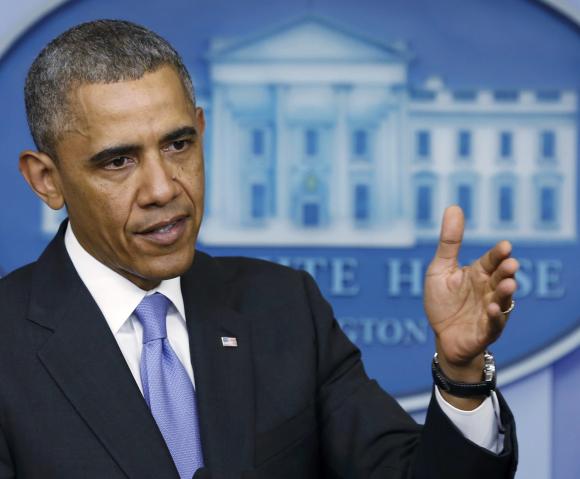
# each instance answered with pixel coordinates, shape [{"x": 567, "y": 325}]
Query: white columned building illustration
[{"x": 319, "y": 139}]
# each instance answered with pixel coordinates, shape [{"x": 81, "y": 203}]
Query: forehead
[{"x": 154, "y": 101}]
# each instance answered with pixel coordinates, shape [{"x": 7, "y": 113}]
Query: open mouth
[{"x": 165, "y": 232}]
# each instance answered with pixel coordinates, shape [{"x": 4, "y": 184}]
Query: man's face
[{"x": 131, "y": 172}]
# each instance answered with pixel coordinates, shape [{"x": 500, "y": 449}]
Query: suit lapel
[
  {"x": 223, "y": 375},
  {"x": 83, "y": 357}
]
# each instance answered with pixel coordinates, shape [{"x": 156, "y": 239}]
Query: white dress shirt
[{"x": 117, "y": 298}]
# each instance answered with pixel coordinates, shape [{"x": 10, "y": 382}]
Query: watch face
[
  {"x": 489, "y": 367},
  {"x": 489, "y": 374}
]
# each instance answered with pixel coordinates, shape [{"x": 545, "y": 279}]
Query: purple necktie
[{"x": 167, "y": 388}]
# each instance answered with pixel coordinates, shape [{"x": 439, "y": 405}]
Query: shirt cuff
[{"x": 481, "y": 426}]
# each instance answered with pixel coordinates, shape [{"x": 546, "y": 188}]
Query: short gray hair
[{"x": 101, "y": 51}]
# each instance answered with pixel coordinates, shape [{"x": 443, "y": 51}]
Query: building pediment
[{"x": 306, "y": 40}]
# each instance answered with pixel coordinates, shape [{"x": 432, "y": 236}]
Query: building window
[
  {"x": 506, "y": 95},
  {"x": 548, "y": 145},
  {"x": 548, "y": 95},
  {"x": 423, "y": 144},
  {"x": 258, "y": 201},
  {"x": 505, "y": 145},
  {"x": 361, "y": 202},
  {"x": 423, "y": 211},
  {"x": 505, "y": 200},
  {"x": 547, "y": 204},
  {"x": 465, "y": 95},
  {"x": 464, "y": 193},
  {"x": 506, "y": 204},
  {"x": 465, "y": 200},
  {"x": 311, "y": 142},
  {"x": 548, "y": 211},
  {"x": 424, "y": 194},
  {"x": 258, "y": 142},
  {"x": 311, "y": 214},
  {"x": 464, "y": 144},
  {"x": 360, "y": 143}
]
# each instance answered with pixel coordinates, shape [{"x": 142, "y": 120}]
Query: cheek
[
  {"x": 118, "y": 208},
  {"x": 105, "y": 210},
  {"x": 198, "y": 189},
  {"x": 192, "y": 177}
]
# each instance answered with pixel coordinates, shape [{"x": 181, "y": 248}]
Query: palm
[
  {"x": 456, "y": 302},
  {"x": 464, "y": 304}
]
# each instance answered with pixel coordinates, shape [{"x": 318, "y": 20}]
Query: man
[{"x": 126, "y": 353}]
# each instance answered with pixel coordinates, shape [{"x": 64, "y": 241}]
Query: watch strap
[{"x": 465, "y": 390}]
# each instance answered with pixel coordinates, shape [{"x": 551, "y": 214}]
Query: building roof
[{"x": 306, "y": 39}]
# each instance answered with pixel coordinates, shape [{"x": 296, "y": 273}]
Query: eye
[
  {"x": 178, "y": 145},
  {"x": 118, "y": 163}
]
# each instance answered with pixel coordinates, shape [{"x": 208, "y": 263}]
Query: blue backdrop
[{"x": 337, "y": 134}]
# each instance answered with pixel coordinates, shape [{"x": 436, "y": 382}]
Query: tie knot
[{"x": 151, "y": 312}]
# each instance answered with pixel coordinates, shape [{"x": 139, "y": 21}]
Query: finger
[
  {"x": 497, "y": 318},
  {"x": 506, "y": 269},
  {"x": 503, "y": 294},
  {"x": 493, "y": 258},
  {"x": 496, "y": 321},
  {"x": 451, "y": 235}
]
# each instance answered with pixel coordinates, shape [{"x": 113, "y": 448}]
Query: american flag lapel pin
[{"x": 228, "y": 342}]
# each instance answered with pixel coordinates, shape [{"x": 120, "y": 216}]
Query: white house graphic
[{"x": 316, "y": 137}]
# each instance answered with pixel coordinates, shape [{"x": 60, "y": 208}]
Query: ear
[
  {"x": 200, "y": 119},
  {"x": 41, "y": 173}
]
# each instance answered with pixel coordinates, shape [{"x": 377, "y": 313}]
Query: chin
[{"x": 170, "y": 267}]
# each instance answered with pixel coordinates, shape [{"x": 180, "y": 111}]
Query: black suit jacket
[{"x": 291, "y": 401}]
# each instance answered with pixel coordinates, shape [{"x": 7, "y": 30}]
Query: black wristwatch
[{"x": 466, "y": 390}]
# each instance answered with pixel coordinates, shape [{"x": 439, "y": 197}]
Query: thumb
[{"x": 451, "y": 236}]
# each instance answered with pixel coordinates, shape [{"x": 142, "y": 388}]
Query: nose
[{"x": 157, "y": 182}]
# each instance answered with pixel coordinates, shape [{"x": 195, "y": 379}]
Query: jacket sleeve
[
  {"x": 6, "y": 467},
  {"x": 364, "y": 432}
]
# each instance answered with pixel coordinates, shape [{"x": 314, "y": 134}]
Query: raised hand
[{"x": 464, "y": 304}]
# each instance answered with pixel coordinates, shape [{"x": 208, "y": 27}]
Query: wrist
[
  {"x": 465, "y": 372},
  {"x": 468, "y": 387}
]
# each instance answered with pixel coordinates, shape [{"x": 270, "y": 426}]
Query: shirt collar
[{"x": 116, "y": 296}]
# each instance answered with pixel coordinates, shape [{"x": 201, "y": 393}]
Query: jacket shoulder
[
  {"x": 241, "y": 267},
  {"x": 255, "y": 281},
  {"x": 15, "y": 291},
  {"x": 17, "y": 281}
]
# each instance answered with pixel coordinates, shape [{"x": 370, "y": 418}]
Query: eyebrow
[
  {"x": 121, "y": 150},
  {"x": 179, "y": 133},
  {"x": 112, "y": 152}
]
